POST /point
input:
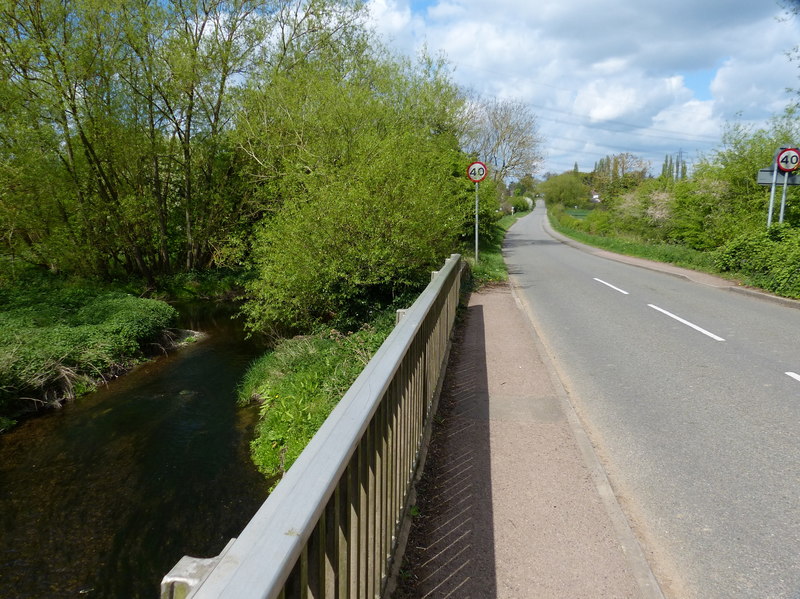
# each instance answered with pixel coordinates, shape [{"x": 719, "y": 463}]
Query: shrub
[{"x": 769, "y": 259}]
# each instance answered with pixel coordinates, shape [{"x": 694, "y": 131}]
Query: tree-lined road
[{"x": 691, "y": 394}]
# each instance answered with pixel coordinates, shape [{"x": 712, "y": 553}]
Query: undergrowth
[
  {"x": 59, "y": 338},
  {"x": 300, "y": 382},
  {"x": 680, "y": 255}
]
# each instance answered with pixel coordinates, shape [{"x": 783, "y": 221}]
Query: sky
[{"x": 605, "y": 77}]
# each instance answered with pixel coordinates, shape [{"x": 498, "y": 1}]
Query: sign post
[
  {"x": 787, "y": 160},
  {"x": 476, "y": 172}
]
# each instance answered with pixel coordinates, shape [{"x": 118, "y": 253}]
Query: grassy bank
[
  {"x": 300, "y": 382},
  {"x": 60, "y": 338},
  {"x": 768, "y": 260},
  {"x": 491, "y": 267},
  {"x": 568, "y": 223}
]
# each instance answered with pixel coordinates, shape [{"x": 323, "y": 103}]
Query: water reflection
[{"x": 101, "y": 498}]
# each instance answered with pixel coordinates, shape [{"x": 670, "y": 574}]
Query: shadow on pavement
[{"x": 450, "y": 551}]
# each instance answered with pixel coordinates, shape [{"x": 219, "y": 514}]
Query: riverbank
[
  {"x": 60, "y": 338},
  {"x": 101, "y": 497}
]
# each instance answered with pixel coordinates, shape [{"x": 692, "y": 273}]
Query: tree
[
  {"x": 129, "y": 104},
  {"x": 567, "y": 189},
  {"x": 525, "y": 186},
  {"x": 505, "y": 136},
  {"x": 615, "y": 174}
]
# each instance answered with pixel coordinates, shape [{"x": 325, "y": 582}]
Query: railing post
[{"x": 188, "y": 574}]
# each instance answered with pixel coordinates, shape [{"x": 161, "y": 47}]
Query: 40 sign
[
  {"x": 477, "y": 172},
  {"x": 789, "y": 160}
]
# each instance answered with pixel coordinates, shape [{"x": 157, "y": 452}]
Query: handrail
[{"x": 330, "y": 527}]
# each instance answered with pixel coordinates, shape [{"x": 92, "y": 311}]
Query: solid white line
[
  {"x": 610, "y": 285},
  {"x": 687, "y": 323},
  {"x": 794, "y": 375}
]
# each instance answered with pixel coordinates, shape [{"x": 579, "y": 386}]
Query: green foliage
[
  {"x": 521, "y": 204},
  {"x": 581, "y": 229},
  {"x": 767, "y": 259},
  {"x": 57, "y": 338},
  {"x": 722, "y": 200},
  {"x": 526, "y": 186},
  {"x": 618, "y": 174},
  {"x": 116, "y": 151},
  {"x": 366, "y": 197},
  {"x": 490, "y": 213},
  {"x": 491, "y": 267},
  {"x": 567, "y": 189},
  {"x": 714, "y": 220},
  {"x": 216, "y": 283},
  {"x": 299, "y": 383}
]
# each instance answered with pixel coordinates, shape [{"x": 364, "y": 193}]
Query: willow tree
[{"x": 122, "y": 109}]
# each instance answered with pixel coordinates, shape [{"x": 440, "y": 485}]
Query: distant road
[{"x": 692, "y": 396}]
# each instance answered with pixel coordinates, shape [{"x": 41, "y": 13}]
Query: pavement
[{"x": 513, "y": 501}]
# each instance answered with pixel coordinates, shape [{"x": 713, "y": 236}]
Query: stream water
[{"x": 101, "y": 498}]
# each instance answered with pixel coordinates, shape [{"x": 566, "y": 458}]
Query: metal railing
[{"x": 330, "y": 527}]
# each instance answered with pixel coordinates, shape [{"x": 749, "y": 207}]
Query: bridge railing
[{"x": 330, "y": 527}]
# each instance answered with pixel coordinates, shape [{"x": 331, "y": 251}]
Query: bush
[
  {"x": 567, "y": 188},
  {"x": 767, "y": 259},
  {"x": 368, "y": 197}
]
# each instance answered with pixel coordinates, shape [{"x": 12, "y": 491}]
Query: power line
[{"x": 671, "y": 133}]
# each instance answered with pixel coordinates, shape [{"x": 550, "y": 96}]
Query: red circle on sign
[
  {"x": 477, "y": 172},
  {"x": 789, "y": 160}
]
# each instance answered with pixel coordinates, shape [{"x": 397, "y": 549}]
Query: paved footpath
[{"x": 513, "y": 502}]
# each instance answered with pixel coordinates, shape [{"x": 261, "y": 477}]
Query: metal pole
[
  {"x": 783, "y": 196},
  {"x": 772, "y": 193},
  {"x": 476, "y": 223}
]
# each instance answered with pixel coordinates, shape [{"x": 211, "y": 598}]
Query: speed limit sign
[
  {"x": 477, "y": 172},
  {"x": 789, "y": 159}
]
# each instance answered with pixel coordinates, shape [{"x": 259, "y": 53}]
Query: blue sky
[{"x": 605, "y": 77}]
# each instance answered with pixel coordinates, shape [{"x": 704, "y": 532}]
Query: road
[{"x": 691, "y": 396}]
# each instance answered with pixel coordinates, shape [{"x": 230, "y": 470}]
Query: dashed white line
[
  {"x": 687, "y": 323},
  {"x": 794, "y": 375},
  {"x": 610, "y": 285}
]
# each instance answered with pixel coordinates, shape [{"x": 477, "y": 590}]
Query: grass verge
[
  {"x": 660, "y": 252},
  {"x": 490, "y": 267}
]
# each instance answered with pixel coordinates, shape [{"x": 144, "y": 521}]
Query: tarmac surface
[{"x": 513, "y": 501}]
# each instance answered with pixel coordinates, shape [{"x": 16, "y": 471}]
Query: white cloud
[{"x": 615, "y": 76}]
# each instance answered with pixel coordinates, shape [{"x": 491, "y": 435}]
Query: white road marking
[
  {"x": 794, "y": 375},
  {"x": 687, "y": 323},
  {"x": 610, "y": 285}
]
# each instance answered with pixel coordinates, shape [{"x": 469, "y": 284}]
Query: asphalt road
[{"x": 691, "y": 395}]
